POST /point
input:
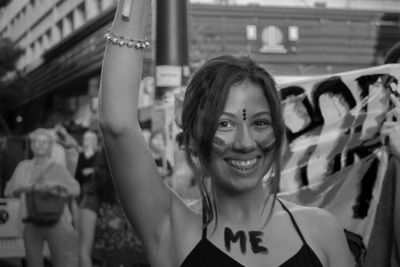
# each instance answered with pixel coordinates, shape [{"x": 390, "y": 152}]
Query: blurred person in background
[
  {"x": 87, "y": 155},
  {"x": 58, "y": 153},
  {"x": 106, "y": 236},
  {"x": 43, "y": 174},
  {"x": 70, "y": 145},
  {"x": 157, "y": 142}
]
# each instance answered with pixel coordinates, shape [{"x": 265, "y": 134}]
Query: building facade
[
  {"x": 382, "y": 5},
  {"x": 64, "y": 45},
  {"x": 38, "y": 25}
]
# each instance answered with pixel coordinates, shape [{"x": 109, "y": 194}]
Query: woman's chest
[{"x": 257, "y": 247}]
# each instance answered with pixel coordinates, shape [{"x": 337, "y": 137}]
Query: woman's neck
[
  {"x": 246, "y": 208},
  {"x": 88, "y": 152}
]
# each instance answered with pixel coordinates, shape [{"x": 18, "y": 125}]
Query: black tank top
[{"x": 206, "y": 254}]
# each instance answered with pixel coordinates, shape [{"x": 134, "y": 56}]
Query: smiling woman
[
  {"x": 232, "y": 135},
  {"x": 246, "y": 136}
]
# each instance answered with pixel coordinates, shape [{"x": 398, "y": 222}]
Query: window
[
  {"x": 68, "y": 26},
  {"x": 79, "y": 15}
]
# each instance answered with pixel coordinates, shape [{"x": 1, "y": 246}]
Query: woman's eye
[
  {"x": 224, "y": 125},
  {"x": 262, "y": 123}
]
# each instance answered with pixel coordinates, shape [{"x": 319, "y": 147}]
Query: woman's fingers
[
  {"x": 388, "y": 128},
  {"x": 394, "y": 141},
  {"x": 126, "y": 9},
  {"x": 395, "y": 89},
  {"x": 395, "y": 101},
  {"x": 394, "y": 113},
  {"x": 390, "y": 124},
  {"x": 389, "y": 131}
]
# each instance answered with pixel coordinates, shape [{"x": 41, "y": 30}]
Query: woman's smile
[
  {"x": 243, "y": 165},
  {"x": 244, "y": 139}
]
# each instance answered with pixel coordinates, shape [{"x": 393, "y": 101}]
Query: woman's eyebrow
[
  {"x": 228, "y": 114},
  {"x": 234, "y": 115},
  {"x": 268, "y": 113}
]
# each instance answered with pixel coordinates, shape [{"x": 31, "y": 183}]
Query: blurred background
[{"x": 51, "y": 54}]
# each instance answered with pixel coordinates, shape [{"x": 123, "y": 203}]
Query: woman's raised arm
[{"x": 144, "y": 196}]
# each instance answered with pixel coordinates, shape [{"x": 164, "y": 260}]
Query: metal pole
[
  {"x": 171, "y": 70},
  {"x": 171, "y": 45}
]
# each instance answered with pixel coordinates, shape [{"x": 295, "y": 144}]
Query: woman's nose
[{"x": 244, "y": 140}]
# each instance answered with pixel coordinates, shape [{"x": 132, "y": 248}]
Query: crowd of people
[
  {"x": 232, "y": 133},
  {"x": 67, "y": 200}
]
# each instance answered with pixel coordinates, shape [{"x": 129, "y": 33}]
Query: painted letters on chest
[{"x": 254, "y": 238}]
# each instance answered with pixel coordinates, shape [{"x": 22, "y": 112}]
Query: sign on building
[{"x": 273, "y": 39}]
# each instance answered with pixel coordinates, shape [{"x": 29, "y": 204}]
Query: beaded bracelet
[{"x": 115, "y": 38}]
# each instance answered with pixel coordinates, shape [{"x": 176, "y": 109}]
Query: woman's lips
[{"x": 242, "y": 164}]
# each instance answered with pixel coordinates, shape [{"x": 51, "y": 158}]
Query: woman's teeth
[{"x": 242, "y": 163}]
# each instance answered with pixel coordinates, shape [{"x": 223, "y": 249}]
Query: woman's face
[
  {"x": 90, "y": 141},
  {"x": 41, "y": 146},
  {"x": 241, "y": 150}
]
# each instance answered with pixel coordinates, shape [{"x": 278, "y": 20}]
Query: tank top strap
[
  {"x": 204, "y": 233},
  {"x": 293, "y": 221}
]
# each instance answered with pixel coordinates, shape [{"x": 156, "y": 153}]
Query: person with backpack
[{"x": 44, "y": 188}]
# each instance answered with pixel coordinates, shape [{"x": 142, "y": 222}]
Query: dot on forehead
[{"x": 246, "y": 98}]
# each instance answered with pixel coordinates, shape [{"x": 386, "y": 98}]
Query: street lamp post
[
  {"x": 171, "y": 70},
  {"x": 171, "y": 45}
]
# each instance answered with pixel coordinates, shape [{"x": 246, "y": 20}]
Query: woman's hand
[
  {"x": 22, "y": 189},
  {"x": 390, "y": 130},
  {"x": 57, "y": 190},
  {"x": 88, "y": 171},
  {"x": 64, "y": 138}
]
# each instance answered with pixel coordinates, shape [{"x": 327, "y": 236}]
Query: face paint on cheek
[
  {"x": 268, "y": 142},
  {"x": 219, "y": 144}
]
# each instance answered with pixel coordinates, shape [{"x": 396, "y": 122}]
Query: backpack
[{"x": 44, "y": 208}]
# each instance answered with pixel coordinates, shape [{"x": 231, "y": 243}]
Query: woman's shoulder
[
  {"x": 307, "y": 212},
  {"x": 321, "y": 230},
  {"x": 316, "y": 221},
  {"x": 25, "y": 164}
]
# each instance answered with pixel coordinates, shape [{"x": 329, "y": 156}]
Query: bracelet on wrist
[{"x": 121, "y": 40}]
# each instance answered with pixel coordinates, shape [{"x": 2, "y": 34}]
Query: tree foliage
[
  {"x": 12, "y": 82},
  {"x": 9, "y": 55},
  {"x": 4, "y": 3}
]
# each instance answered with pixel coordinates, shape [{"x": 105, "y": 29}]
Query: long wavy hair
[{"x": 204, "y": 103}]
